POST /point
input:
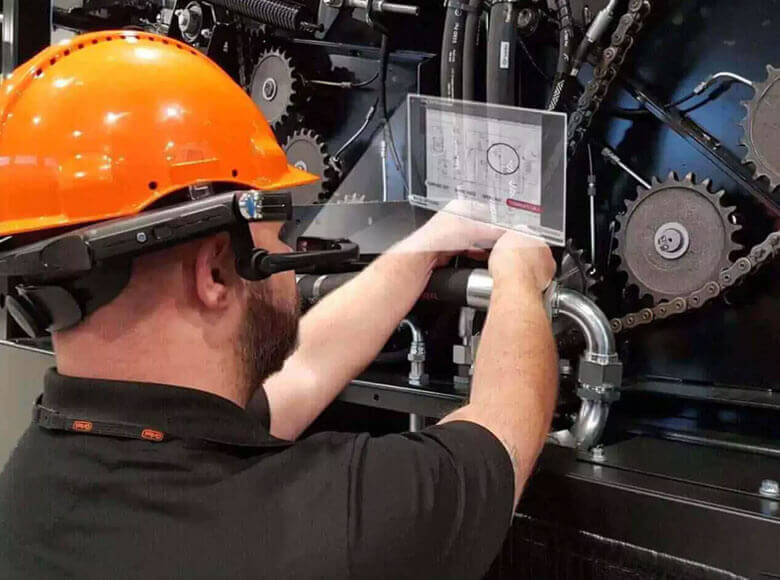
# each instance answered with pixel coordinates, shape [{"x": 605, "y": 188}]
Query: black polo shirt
[{"x": 219, "y": 497}]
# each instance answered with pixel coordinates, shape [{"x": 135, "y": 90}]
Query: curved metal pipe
[
  {"x": 417, "y": 375},
  {"x": 599, "y": 370},
  {"x": 417, "y": 335},
  {"x": 592, "y": 417},
  {"x": 590, "y": 423},
  {"x": 591, "y": 320}
]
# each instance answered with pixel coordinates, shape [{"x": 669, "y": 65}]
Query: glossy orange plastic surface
[{"x": 107, "y": 123}]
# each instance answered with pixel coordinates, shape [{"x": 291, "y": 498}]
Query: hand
[
  {"x": 447, "y": 234},
  {"x": 517, "y": 259}
]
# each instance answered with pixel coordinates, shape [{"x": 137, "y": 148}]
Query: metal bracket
[{"x": 705, "y": 143}]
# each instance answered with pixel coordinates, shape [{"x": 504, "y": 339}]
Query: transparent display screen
[{"x": 506, "y": 165}]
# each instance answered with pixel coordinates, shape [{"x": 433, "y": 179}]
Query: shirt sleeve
[{"x": 434, "y": 504}]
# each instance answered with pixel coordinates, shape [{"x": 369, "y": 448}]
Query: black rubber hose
[
  {"x": 565, "y": 53},
  {"x": 502, "y": 54},
  {"x": 312, "y": 287},
  {"x": 384, "y": 61},
  {"x": 452, "y": 52},
  {"x": 446, "y": 285},
  {"x": 470, "y": 32}
]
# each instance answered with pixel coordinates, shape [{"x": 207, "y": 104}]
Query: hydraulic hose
[
  {"x": 599, "y": 372},
  {"x": 470, "y": 35},
  {"x": 501, "y": 54},
  {"x": 452, "y": 51},
  {"x": 458, "y": 286},
  {"x": 565, "y": 53}
]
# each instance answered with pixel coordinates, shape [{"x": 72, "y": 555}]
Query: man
[{"x": 142, "y": 461}]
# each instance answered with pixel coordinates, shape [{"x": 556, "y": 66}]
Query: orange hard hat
[{"x": 105, "y": 124}]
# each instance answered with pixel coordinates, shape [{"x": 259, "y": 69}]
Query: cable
[
  {"x": 501, "y": 76},
  {"x": 370, "y": 115},
  {"x": 700, "y": 88},
  {"x": 344, "y": 84},
  {"x": 470, "y": 35},
  {"x": 708, "y": 82},
  {"x": 384, "y": 55},
  {"x": 592, "y": 196},
  {"x": 533, "y": 62},
  {"x": 566, "y": 47},
  {"x": 451, "y": 83}
]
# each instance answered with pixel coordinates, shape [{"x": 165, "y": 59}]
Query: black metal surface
[
  {"x": 540, "y": 549},
  {"x": 732, "y": 395},
  {"x": 726, "y": 530},
  {"x": 34, "y": 27},
  {"x": 727, "y": 342},
  {"x": 706, "y": 466},
  {"x": 680, "y": 508},
  {"x": 385, "y": 391},
  {"x": 706, "y": 144}
]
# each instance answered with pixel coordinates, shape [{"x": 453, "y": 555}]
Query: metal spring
[{"x": 279, "y": 13}]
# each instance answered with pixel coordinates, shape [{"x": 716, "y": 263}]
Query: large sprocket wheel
[
  {"x": 275, "y": 86},
  {"x": 762, "y": 137},
  {"x": 675, "y": 237},
  {"x": 307, "y": 151}
]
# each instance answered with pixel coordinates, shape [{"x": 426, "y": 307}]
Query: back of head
[{"x": 108, "y": 125}]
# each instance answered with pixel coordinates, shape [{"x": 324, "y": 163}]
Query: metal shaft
[{"x": 380, "y": 6}]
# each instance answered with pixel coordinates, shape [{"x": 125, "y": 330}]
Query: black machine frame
[{"x": 694, "y": 500}]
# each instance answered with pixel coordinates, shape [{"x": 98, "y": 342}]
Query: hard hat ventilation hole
[
  {"x": 81, "y": 46},
  {"x": 67, "y": 52},
  {"x": 38, "y": 73},
  {"x": 235, "y": 173},
  {"x": 152, "y": 185},
  {"x": 52, "y": 61}
]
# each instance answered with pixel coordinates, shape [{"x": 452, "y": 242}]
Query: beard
[{"x": 267, "y": 336}]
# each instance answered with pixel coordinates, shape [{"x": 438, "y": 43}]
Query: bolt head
[
  {"x": 770, "y": 488},
  {"x": 597, "y": 453},
  {"x": 141, "y": 237}
]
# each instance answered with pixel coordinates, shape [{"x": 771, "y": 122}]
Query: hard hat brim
[{"x": 292, "y": 178}]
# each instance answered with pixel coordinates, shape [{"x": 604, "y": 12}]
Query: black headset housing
[{"x": 67, "y": 277}]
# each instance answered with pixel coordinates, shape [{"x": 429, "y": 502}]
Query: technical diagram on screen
[{"x": 505, "y": 165}]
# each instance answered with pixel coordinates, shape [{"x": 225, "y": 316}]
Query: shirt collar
[{"x": 184, "y": 412}]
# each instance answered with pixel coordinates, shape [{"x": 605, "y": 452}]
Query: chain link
[
  {"x": 728, "y": 277},
  {"x": 587, "y": 106},
  {"x": 605, "y": 72}
]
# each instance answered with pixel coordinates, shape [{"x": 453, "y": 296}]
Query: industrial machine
[{"x": 664, "y": 460}]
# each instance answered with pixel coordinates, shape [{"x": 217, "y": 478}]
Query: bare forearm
[
  {"x": 341, "y": 335},
  {"x": 515, "y": 381}
]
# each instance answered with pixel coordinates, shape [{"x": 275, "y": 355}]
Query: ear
[{"x": 215, "y": 273}]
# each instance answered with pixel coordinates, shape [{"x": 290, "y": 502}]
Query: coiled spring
[{"x": 280, "y": 13}]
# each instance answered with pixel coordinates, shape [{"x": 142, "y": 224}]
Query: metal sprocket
[
  {"x": 700, "y": 237},
  {"x": 761, "y": 136},
  {"x": 275, "y": 85},
  {"x": 574, "y": 272},
  {"x": 306, "y": 150}
]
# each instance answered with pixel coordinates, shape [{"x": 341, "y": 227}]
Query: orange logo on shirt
[
  {"x": 152, "y": 435},
  {"x": 85, "y": 426}
]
